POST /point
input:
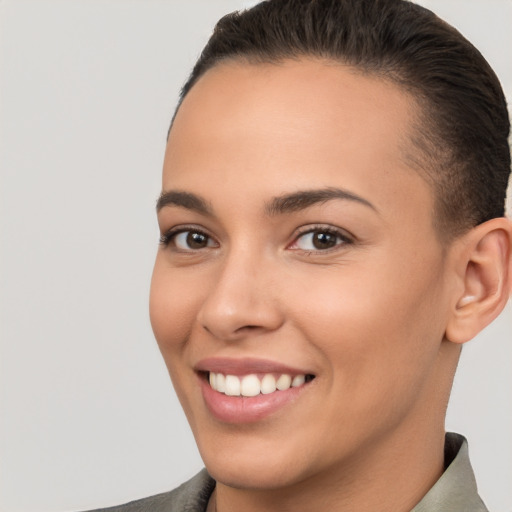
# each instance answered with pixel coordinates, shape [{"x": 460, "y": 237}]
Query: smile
[
  {"x": 249, "y": 390},
  {"x": 253, "y": 385}
]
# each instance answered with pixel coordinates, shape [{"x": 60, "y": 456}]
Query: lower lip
[{"x": 241, "y": 409}]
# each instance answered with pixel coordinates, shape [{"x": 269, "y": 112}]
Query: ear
[{"x": 484, "y": 261}]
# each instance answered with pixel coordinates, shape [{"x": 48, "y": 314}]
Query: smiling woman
[
  {"x": 332, "y": 232},
  {"x": 292, "y": 279},
  {"x": 326, "y": 252},
  {"x": 262, "y": 297}
]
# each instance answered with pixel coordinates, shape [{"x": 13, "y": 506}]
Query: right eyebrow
[
  {"x": 184, "y": 200},
  {"x": 303, "y": 199}
]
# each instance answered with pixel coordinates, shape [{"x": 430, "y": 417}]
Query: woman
[
  {"x": 324, "y": 306},
  {"x": 332, "y": 232}
]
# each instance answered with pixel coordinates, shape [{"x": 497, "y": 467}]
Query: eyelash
[{"x": 169, "y": 236}]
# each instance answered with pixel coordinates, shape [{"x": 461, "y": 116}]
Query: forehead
[
  {"x": 308, "y": 123},
  {"x": 297, "y": 97}
]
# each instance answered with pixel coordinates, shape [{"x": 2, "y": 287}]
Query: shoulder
[{"x": 192, "y": 496}]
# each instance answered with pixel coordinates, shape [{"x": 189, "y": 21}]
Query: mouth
[{"x": 249, "y": 390}]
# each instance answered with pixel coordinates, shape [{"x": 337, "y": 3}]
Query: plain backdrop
[{"x": 88, "y": 416}]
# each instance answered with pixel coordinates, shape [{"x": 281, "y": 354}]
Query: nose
[{"x": 241, "y": 300}]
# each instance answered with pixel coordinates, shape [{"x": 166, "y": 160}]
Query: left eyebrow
[{"x": 303, "y": 199}]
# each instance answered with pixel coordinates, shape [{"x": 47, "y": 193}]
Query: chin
[
  {"x": 244, "y": 473},
  {"x": 251, "y": 460}
]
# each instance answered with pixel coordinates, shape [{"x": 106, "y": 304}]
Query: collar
[{"x": 456, "y": 490}]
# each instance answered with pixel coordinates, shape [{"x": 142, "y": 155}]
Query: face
[{"x": 297, "y": 251}]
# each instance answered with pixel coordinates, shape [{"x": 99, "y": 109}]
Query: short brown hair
[{"x": 461, "y": 140}]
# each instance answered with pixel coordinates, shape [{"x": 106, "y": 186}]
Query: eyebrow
[
  {"x": 303, "y": 199},
  {"x": 287, "y": 203},
  {"x": 184, "y": 200}
]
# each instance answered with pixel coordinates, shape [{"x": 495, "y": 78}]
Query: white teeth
[
  {"x": 284, "y": 382},
  {"x": 298, "y": 380},
  {"x": 250, "y": 385},
  {"x": 232, "y": 385},
  {"x": 268, "y": 384},
  {"x": 220, "y": 382}
]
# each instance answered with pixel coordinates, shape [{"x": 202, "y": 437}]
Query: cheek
[
  {"x": 379, "y": 319},
  {"x": 172, "y": 309},
  {"x": 379, "y": 342}
]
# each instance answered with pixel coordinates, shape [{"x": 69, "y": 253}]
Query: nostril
[
  {"x": 248, "y": 328},
  {"x": 239, "y": 330}
]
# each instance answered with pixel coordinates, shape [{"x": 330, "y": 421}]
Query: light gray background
[{"x": 88, "y": 415}]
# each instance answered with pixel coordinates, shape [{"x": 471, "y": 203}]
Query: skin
[{"x": 368, "y": 317}]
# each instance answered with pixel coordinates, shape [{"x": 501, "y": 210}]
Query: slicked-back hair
[{"x": 459, "y": 142}]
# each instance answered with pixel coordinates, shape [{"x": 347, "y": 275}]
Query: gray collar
[{"x": 456, "y": 490}]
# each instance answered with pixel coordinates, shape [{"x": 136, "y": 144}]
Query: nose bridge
[{"x": 240, "y": 298}]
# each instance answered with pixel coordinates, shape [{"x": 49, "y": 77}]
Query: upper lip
[{"x": 245, "y": 366}]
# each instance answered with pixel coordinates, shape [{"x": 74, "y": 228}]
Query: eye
[
  {"x": 319, "y": 239},
  {"x": 187, "y": 240}
]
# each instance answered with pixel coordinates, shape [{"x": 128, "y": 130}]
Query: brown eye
[
  {"x": 320, "y": 240},
  {"x": 196, "y": 240},
  {"x": 191, "y": 241}
]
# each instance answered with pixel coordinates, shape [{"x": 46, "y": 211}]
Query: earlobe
[{"x": 485, "y": 261}]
